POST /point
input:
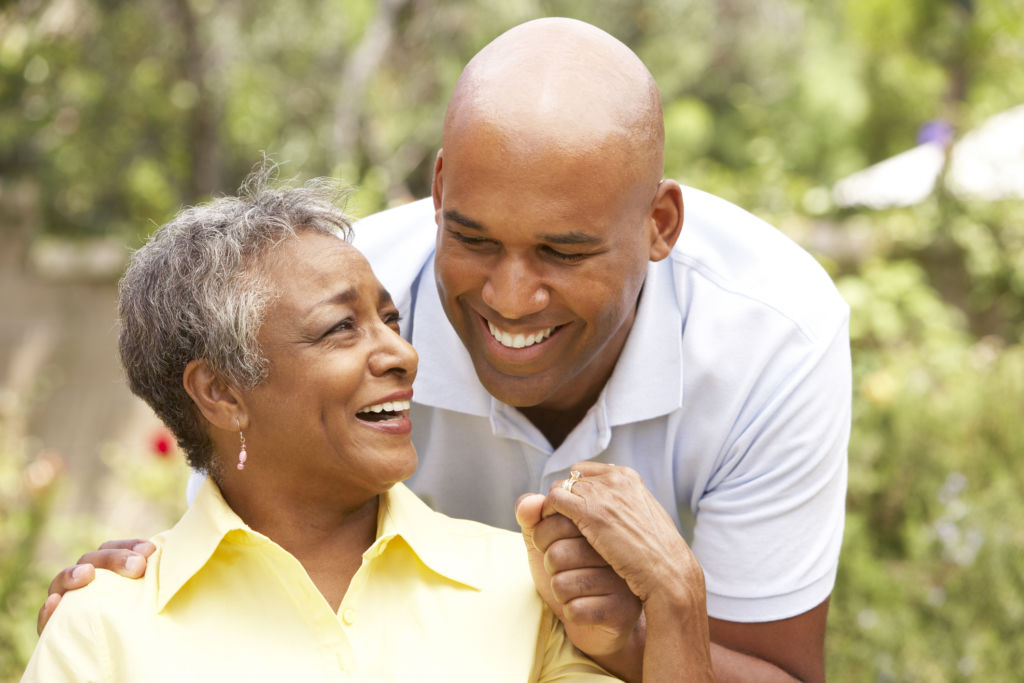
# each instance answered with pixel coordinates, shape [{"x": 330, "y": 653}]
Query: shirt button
[{"x": 348, "y": 616}]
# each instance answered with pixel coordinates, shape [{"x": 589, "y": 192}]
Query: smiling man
[{"x": 565, "y": 311}]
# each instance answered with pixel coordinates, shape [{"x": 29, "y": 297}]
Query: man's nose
[{"x": 514, "y": 289}]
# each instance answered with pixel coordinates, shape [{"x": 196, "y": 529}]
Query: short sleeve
[
  {"x": 72, "y": 646},
  {"x": 769, "y": 528},
  {"x": 558, "y": 659}
]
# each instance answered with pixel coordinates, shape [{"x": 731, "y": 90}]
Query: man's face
[{"x": 541, "y": 255}]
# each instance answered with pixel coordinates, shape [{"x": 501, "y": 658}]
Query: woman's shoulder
[{"x": 109, "y": 594}]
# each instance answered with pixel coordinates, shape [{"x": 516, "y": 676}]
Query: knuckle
[
  {"x": 560, "y": 556},
  {"x": 587, "y": 612}
]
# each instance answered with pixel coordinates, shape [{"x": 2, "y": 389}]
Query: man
[{"x": 565, "y": 312}]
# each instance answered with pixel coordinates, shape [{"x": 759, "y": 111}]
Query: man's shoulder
[
  {"x": 408, "y": 219},
  {"x": 732, "y": 254},
  {"x": 398, "y": 242}
]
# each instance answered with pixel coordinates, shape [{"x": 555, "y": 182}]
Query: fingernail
[
  {"x": 77, "y": 572},
  {"x": 134, "y": 564},
  {"x": 140, "y": 547}
]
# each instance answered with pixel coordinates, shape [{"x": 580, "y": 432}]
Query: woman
[{"x": 270, "y": 349}]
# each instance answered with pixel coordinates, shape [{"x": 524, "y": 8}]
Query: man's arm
[
  {"x": 767, "y": 651},
  {"x": 627, "y": 527},
  {"x": 668, "y": 583},
  {"x": 125, "y": 557}
]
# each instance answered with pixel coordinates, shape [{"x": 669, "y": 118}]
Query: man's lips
[{"x": 504, "y": 346}]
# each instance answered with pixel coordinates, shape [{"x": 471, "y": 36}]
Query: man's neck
[{"x": 556, "y": 425}]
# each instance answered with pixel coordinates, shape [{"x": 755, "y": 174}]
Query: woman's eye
[{"x": 344, "y": 326}]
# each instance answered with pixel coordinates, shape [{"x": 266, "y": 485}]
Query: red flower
[{"x": 162, "y": 442}]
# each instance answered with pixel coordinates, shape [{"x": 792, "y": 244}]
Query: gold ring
[{"x": 574, "y": 477}]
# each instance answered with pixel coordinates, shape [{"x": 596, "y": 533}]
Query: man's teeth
[
  {"x": 519, "y": 341},
  {"x": 387, "y": 407}
]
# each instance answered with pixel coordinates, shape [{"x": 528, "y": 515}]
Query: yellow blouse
[{"x": 435, "y": 599}]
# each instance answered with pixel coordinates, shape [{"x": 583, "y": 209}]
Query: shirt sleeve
[
  {"x": 769, "y": 527},
  {"x": 72, "y": 647},
  {"x": 558, "y": 659}
]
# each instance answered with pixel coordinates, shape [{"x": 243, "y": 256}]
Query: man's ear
[
  {"x": 666, "y": 219},
  {"x": 218, "y": 402},
  {"x": 437, "y": 182}
]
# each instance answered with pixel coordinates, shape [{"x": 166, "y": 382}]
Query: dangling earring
[{"x": 241, "y": 454}]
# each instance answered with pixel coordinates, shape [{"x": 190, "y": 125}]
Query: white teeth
[
  {"x": 387, "y": 406},
  {"x": 518, "y": 341}
]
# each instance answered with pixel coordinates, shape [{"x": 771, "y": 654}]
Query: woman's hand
[
  {"x": 125, "y": 557},
  {"x": 600, "y": 615}
]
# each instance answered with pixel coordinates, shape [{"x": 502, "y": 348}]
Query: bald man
[{"x": 694, "y": 374}]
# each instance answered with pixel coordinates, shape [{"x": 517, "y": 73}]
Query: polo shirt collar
[
  {"x": 450, "y": 548},
  {"x": 446, "y": 377},
  {"x": 647, "y": 381},
  {"x": 648, "y": 378},
  {"x": 208, "y": 522},
  {"x": 190, "y": 543}
]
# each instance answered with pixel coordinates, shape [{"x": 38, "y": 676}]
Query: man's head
[{"x": 550, "y": 205}]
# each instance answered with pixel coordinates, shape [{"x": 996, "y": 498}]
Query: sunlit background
[{"x": 886, "y": 137}]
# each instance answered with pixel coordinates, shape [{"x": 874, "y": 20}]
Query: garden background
[{"x": 116, "y": 113}]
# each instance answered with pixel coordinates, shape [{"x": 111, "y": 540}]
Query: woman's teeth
[{"x": 386, "y": 407}]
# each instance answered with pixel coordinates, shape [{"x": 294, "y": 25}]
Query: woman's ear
[
  {"x": 666, "y": 219},
  {"x": 218, "y": 402}
]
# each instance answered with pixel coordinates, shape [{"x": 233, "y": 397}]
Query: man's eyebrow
[
  {"x": 464, "y": 221},
  {"x": 384, "y": 298},
  {"x": 574, "y": 237}
]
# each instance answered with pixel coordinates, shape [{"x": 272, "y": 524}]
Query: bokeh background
[{"x": 886, "y": 137}]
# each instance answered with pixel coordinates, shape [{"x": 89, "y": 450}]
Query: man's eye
[
  {"x": 562, "y": 256},
  {"x": 470, "y": 240}
]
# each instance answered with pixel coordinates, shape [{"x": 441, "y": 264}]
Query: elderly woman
[{"x": 270, "y": 349}]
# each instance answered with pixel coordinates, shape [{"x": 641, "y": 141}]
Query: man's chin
[{"x": 527, "y": 391}]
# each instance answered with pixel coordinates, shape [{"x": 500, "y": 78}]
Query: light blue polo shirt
[{"x": 731, "y": 398}]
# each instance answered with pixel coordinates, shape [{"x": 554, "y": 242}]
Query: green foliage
[
  {"x": 930, "y": 582},
  {"x": 27, "y": 485}
]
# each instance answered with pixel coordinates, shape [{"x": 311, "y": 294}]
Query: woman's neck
[{"x": 326, "y": 535}]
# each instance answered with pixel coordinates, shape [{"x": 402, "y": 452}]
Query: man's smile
[{"x": 518, "y": 340}]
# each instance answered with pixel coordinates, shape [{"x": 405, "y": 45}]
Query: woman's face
[{"x": 333, "y": 410}]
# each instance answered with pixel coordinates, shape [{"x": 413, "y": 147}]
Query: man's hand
[
  {"x": 628, "y": 528},
  {"x": 598, "y": 611},
  {"x": 126, "y": 557}
]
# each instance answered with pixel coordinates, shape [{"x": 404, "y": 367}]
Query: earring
[{"x": 241, "y": 454}]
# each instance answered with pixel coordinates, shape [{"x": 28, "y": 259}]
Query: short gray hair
[{"x": 194, "y": 291}]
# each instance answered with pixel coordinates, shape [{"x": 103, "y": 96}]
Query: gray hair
[{"x": 194, "y": 291}]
